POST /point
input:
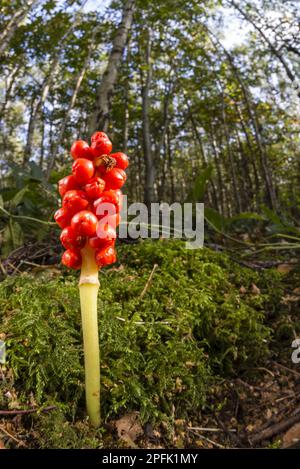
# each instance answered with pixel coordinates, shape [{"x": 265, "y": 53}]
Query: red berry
[
  {"x": 75, "y": 201},
  {"x": 106, "y": 236},
  {"x": 106, "y": 232},
  {"x": 70, "y": 240},
  {"x": 83, "y": 170},
  {"x": 107, "y": 209},
  {"x": 98, "y": 136},
  {"x": 101, "y": 145},
  {"x": 81, "y": 149},
  {"x": 98, "y": 243},
  {"x": 84, "y": 223},
  {"x": 110, "y": 197},
  {"x": 62, "y": 218},
  {"x": 105, "y": 256},
  {"x": 115, "y": 178},
  {"x": 66, "y": 184},
  {"x": 72, "y": 259},
  {"x": 94, "y": 188},
  {"x": 111, "y": 220},
  {"x": 100, "y": 171},
  {"x": 121, "y": 160}
]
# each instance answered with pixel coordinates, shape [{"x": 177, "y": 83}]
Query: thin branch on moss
[
  {"x": 27, "y": 411},
  {"x": 148, "y": 281}
]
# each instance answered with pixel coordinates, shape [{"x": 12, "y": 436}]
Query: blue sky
[
  {"x": 96, "y": 5},
  {"x": 234, "y": 31}
]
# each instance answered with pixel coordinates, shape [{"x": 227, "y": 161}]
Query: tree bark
[
  {"x": 71, "y": 105},
  {"x": 45, "y": 88},
  {"x": 126, "y": 101},
  {"x": 218, "y": 168},
  {"x": 10, "y": 81},
  {"x": 204, "y": 159},
  {"x": 101, "y": 113},
  {"x": 13, "y": 25},
  {"x": 37, "y": 106},
  {"x": 148, "y": 157},
  {"x": 251, "y": 153},
  {"x": 234, "y": 178},
  {"x": 271, "y": 196},
  {"x": 248, "y": 193},
  {"x": 161, "y": 144},
  {"x": 42, "y": 144},
  {"x": 170, "y": 163}
]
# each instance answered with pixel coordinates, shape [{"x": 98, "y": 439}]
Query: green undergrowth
[{"x": 201, "y": 318}]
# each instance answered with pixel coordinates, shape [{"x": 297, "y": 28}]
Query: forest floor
[{"x": 237, "y": 387}]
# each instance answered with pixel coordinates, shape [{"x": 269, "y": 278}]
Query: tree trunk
[
  {"x": 148, "y": 157},
  {"x": 204, "y": 159},
  {"x": 271, "y": 196},
  {"x": 58, "y": 142},
  {"x": 45, "y": 88},
  {"x": 101, "y": 113},
  {"x": 42, "y": 144},
  {"x": 126, "y": 101},
  {"x": 252, "y": 157},
  {"x": 170, "y": 163},
  {"x": 161, "y": 144},
  {"x": 13, "y": 25},
  {"x": 218, "y": 168},
  {"x": 231, "y": 161},
  {"x": 248, "y": 192},
  {"x": 71, "y": 105},
  {"x": 11, "y": 80},
  {"x": 37, "y": 106}
]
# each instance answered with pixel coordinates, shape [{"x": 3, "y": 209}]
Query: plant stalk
[{"x": 88, "y": 288}]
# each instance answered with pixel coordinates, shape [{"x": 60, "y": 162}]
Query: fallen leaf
[
  {"x": 254, "y": 289},
  {"x": 129, "y": 428},
  {"x": 290, "y": 299},
  {"x": 285, "y": 268},
  {"x": 2, "y": 445},
  {"x": 292, "y": 436},
  {"x": 250, "y": 428},
  {"x": 269, "y": 413}
]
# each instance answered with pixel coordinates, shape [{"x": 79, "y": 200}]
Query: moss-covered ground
[{"x": 166, "y": 345}]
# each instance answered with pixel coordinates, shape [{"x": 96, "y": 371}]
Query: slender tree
[{"x": 102, "y": 109}]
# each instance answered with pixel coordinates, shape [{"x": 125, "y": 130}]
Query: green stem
[
  {"x": 88, "y": 288},
  {"x": 24, "y": 217}
]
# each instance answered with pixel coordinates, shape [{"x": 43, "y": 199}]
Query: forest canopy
[{"x": 201, "y": 94}]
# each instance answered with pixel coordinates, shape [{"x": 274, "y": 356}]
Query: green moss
[
  {"x": 55, "y": 431},
  {"x": 194, "y": 323}
]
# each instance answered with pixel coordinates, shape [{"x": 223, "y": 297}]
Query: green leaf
[
  {"x": 272, "y": 216},
  {"x": 247, "y": 216},
  {"x": 36, "y": 172},
  {"x": 1, "y": 201},
  {"x": 17, "y": 199},
  {"x": 215, "y": 218},
  {"x": 199, "y": 188},
  {"x": 12, "y": 237}
]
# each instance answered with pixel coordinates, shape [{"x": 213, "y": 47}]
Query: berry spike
[{"x": 89, "y": 216}]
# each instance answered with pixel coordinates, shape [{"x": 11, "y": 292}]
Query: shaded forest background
[
  {"x": 196, "y": 345},
  {"x": 202, "y": 117}
]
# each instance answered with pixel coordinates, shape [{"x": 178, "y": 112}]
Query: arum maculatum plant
[{"x": 90, "y": 213}]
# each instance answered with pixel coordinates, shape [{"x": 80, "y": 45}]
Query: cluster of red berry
[{"x": 97, "y": 176}]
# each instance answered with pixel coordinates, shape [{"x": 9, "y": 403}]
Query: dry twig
[{"x": 148, "y": 281}]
